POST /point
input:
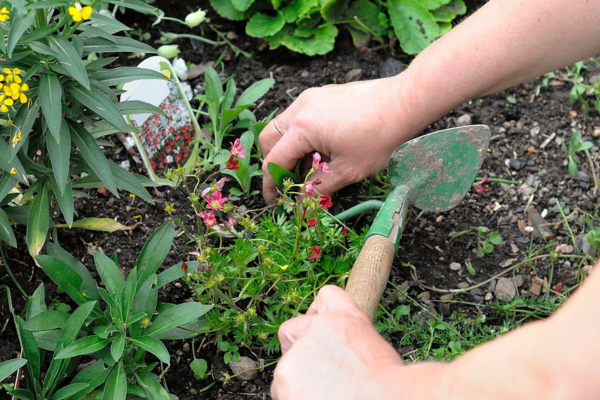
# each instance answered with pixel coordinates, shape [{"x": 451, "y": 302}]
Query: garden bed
[{"x": 521, "y": 120}]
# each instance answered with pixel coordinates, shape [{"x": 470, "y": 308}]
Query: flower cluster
[
  {"x": 79, "y": 13},
  {"x": 13, "y": 88},
  {"x": 479, "y": 187},
  {"x": 237, "y": 150},
  {"x": 4, "y": 14},
  {"x": 215, "y": 202}
]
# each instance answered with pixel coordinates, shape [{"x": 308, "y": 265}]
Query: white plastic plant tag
[{"x": 163, "y": 142}]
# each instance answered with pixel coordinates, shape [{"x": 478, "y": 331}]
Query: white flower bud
[
  {"x": 180, "y": 68},
  {"x": 196, "y": 18},
  {"x": 168, "y": 50}
]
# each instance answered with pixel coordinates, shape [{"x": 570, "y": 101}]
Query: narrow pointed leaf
[
  {"x": 117, "y": 76},
  {"x": 7, "y": 368},
  {"x": 38, "y": 222},
  {"x": 31, "y": 351},
  {"x": 255, "y": 92},
  {"x": 86, "y": 345},
  {"x": 64, "y": 276},
  {"x": 116, "y": 385},
  {"x": 110, "y": 274},
  {"x": 129, "y": 293},
  {"x": 116, "y": 349},
  {"x": 6, "y": 233},
  {"x": 50, "y": 319},
  {"x": 68, "y": 391},
  {"x": 177, "y": 316},
  {"x": 98, "y": 224},
  {"x": 154, "y": 252},
  {"x": 124, "y": 44},
  {"x": 50, "y": 92},
  {"x": 153, "y": 346},
  {"x": 93, "y": 155},
  {"x": 59, "y": 151},
  {"x": 19, "y": 25},
  {"x": 97, "y": 102},
  {"x": 132, "y": 107},
  {"x": 64, "y": 199},
  {"x": 69, "y": 59}
]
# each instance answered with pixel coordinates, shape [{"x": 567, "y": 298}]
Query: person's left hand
[{"x": 334, "y": 352}]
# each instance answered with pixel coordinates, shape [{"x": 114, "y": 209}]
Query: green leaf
[
  {"x": 6, "y": 233},
  {"x": 261, "y": 25},
  {"x": 109, "y": 23},
  {"x": 433, "y": 4},
  {"x": 68, "y": 391},
  {"x": 92, "y": 31},
  {"x": 118, "y": 76},
  {"x": 572, "y": 168},
  {"x": 23, "y": 122},
  {"x": 69, "y": 58},
  {"x": 279, "y": 174},
  {"x": 30, "y": 349},
  {"x": 213, "y": 87},
  {"x": 98, "y": 224},
  {"x": 177, "y": 316},
  {"x": 124, "y": 45},
  {"x": 97, "y": 102},
  {"x": 88, "y": 285},
  {"x": 153, "y": 346},
  {"x": 450, "y": 11},
  {"x": 38, "y": 222},
  {"x": 19, "y": 24},
  {"x": 36, "y": 303},
  {"x": 488, "y": 248},
  {"x": 414, "y": 25},
  {"x": 255, "y": 92},
  {"x": 128, "y": 294},
  {"x": 495, "y": 238},
  {"x": 117, "y": 347},
  {"x": 242, "y": 5},
  {"x": 292, "y": 11},
  {"x": 47, "y": 320},
  {"x": 131, "y": 107},
  {"x": 226, "y": 9},
  {"x": 227, "y": 357},
  {"x": 199, "y": 367},
  {"x": 7, "y": 182},
  {"x": 236, "y": 192},
  {"x": 137, "y": 5},
  {"x": 224, "y": 346},
  {"x": 7, "y": 368},
  {"x": 110, "y": 274},
  {"x": 333, "y": 10},
  {"x": 86, "y": 345},
  {"x": 8, "y": 164},
  {"x": 93, "y": 155},
  {"x": 50, "y": 92},
  {"x": 93, "y": 376},
  {"x": 64, "y": 198},
  {"x": 114, "y": 306},
  {"x": 22, "y": 394},
  {"x": 64, "y": 276},
  {"x": 116, "y": 385},
  {"x": 153, "y": 389},
  {"x": 48, "y": 4},
  {"x": 370, "y": 15},
  {"x": 319, "y": 44},
  {"x": 154, "y": 252}
]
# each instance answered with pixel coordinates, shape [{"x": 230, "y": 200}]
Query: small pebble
[
  {"x": 489, "y": 296},
  {"x": 455, "y": 266},
  {"x": 463, "y": 120}
]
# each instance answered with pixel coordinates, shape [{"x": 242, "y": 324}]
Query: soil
[{"x": 518, "y": 127}]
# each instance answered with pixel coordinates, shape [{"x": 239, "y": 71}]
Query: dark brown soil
[{"x": 425, "y": 242}]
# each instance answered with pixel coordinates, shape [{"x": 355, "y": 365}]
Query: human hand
[
  {"x": 334, "y": 352},
  {"x": 356, "y": 127}
]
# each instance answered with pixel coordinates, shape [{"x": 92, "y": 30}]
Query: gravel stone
[
  {"x": 455, "y": 266},
  {"x": 516, "y": 164},
  {"x": 583, "y": 176},
  {"x": 391, "y": 67},
  {"x": 505, "y": 289},
  {"x": 244, "y": 364},
  {"x": 463, "y": 120}
]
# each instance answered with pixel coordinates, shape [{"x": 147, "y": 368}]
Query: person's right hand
[{"x": 355, "y": 127}]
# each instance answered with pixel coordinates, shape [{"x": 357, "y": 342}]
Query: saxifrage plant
[
  {"x": 56, "y": 100},
  {"x": 116, "y": 325},
  {"x": 311, "y": 26}
]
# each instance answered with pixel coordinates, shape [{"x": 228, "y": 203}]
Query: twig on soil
[{"x": 594, "y": 176}]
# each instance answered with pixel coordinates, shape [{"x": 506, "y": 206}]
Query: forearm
[
  {"x": 504, "y": 43},
  {"x": 551, "y": 359}
]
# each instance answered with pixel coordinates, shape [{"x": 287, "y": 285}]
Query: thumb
[{"x": 292, "y": 330}]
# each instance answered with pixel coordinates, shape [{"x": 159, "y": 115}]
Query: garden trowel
[{"x": 433, "y": 173}]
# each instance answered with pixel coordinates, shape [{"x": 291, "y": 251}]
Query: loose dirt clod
[
  {"x": 505, "y": 289},
  {"x": 245, "y": 364}
]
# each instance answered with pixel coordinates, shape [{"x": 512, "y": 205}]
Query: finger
[
  {"x": 292, "y": 330},
  {"x": 287, "y": 151},
  {"x": 331, "y": 299},
  {"x": 342, "y": 175}
]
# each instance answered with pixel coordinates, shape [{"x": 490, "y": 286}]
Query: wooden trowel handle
[{"x": 370, "y": 273}]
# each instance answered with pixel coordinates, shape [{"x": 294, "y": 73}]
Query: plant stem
[{"x": 5, "y": 262}]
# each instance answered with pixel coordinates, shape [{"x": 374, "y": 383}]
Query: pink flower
[
  {"x": 479, "y": 186},
  {"x": 309, "y": 186},
  {"x": 237, "y": 150},
  {"x": 311, "y": 222},
  {"x": 209, "y": 219},
  {"x": 320, "y": 166},
  {"x": 314, "y": 253},
  {"x": 345, "y": 231},
  {"x": 184, "y": 267},
  {"x": 216, "y": 201},
  {"x": 232, "y": 164},
  {"x": 230, "y": 223},
  {"x": 325, "y": 202}
]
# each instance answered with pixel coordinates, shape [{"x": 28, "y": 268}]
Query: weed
[{"x": 576, "y": 144}]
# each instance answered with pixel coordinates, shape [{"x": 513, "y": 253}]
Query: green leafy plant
[
  {"x": 485, "y": 243},
  {"x": 200, "y": 368},
  {"x": 576, "y": 144},
  {"x": 116, "y": 325},
  {"x": 230, "y": 350},
  {"x": 57, "y": 102},
  {"x": 224, "y": 115},
  {"x": 311, "y": 26}
]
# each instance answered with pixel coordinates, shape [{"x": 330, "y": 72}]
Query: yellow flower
[
  {"x": 4, "y": 14},
  {"x": 13, "y": 171},
  {"x": 132, "y": 195},
  {"x": 5, "y": 102},
  {"x": 79, "y": 13},
  {"x": 284, "y": 267},
  {"x": 12, "y": 75},
  {"x": 16, "y": 139},
  {"x": 9, "y": 122},
  {"x": 16, "y": 92},
  {"x": 165, "y": 73}
]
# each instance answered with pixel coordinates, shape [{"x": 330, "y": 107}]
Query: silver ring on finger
[{"x": 277, "y": 126}]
